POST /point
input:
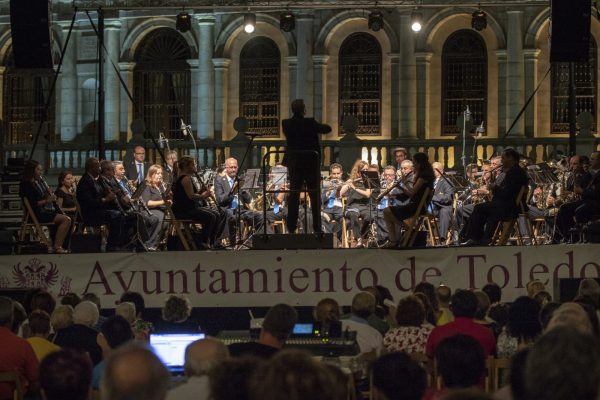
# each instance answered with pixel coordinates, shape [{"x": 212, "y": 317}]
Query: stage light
[
  {"x": 183, "y": 22},
  {"x": 287, "y": 22},
  {"x": 416, "y": 21},
  {"x": 249, "y": 22},
  {"x": 479, "y": 20},
  {"x": 375, "y": 21}
]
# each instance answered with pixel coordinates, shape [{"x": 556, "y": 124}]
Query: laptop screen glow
[{"x": 170, "y": 348}]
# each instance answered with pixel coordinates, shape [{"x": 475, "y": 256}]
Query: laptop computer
[{"x": 170, "y": 348}]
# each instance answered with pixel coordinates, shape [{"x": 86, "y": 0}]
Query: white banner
[{"x": 303, "y": 277}]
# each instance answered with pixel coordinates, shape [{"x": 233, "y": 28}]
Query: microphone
[
  {"x": 480, "y": 129},
  {"x": 183, "y": 127},
  {"x": 161, "y": 140},
  {"x": 467, "y": 114}
]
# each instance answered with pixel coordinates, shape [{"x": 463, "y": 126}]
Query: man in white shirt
[
  {"x": 369, "y": 339},
  {"x": 138, "y": 168}
]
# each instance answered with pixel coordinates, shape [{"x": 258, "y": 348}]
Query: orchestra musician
[
  {"x": 95, "y": 205},
  {"x": 503, "y": 205},
  {"x": 190, "y": 202},
  {"x": 441, "y": 202},
  {"x": 156, "y": 196},
  {"x": 168, "y": 172},
  {"x": 389, "y": 200},
  {"x": 357, "y": 205},
  {"x": 400, "y": 154},
  {"x": 332, "y": 209},
  {"x": 65, "y": 196},
  {"x": 136, "y": 170},
  {"x": 394, "y": 215},
  {"x": 276, "y": 209},
  {"x": 44, "y": 206},
  {"x": 226, "y": 194}
]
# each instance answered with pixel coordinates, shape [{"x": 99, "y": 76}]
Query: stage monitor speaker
[
  {"x": 570, "y": 31},
  {"x": 30, "y": 32},
  {"x": 292, "y": 241},
  {"x": 567, "y": 288}
]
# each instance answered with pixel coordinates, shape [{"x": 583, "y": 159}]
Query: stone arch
[
  {"x": 431, "y": 42},
  {"x": 535, "y": 28},
  {"x": 136, "y": 35},
  {"x": 343, "y": 17},
  {"x": 264, "y": 22}
]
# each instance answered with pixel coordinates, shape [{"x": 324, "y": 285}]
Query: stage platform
[{"x": 260, "y": 278}]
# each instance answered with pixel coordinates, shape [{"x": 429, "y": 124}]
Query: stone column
[
  {"x": 394, "y": 106},
  {"x": 515, "y": 72},
  {"x": 195, "y": 94},
  {"x": 407, "y": 99},
  {"x": 320, "y": 86},
  {"x": 531, "y": 82},
  {"x": 502, "y": 91},
  {"x": 293, "y": 66},
  {"x": 423, "y": 65},
  {"x": 112, "y": 86},
  {"x": 304, "y": 71},
  {"x": 206, "y": 77},
  {"x": 127, "y": 111},
  {"x": 68, "y": 88},
  {"x": 221, "y": 87}
]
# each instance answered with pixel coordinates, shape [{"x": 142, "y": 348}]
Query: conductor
[{"x": 303, "y": 159}]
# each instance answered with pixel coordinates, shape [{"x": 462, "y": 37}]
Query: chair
[
  {"x": 280, "y": 224},
  {"x": 489, "y": 375},
  {"x": 30, "y": 223},
  {"x": 13, "y": 377},
  {"x": 501, "y": 370},
  {"x": 181, "y": 228},
  {"x": 427, "y": 364},
  {"x": 415, "y": 222},
  {"x": 505, "y": 228}
]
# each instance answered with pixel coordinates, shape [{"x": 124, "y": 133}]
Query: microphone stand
[
  {"x": 466, "y": 115},
  {"x": 187, "y": 131}
]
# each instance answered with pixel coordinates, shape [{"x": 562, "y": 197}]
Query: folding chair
[
  {"x": 505, "y": 228},
  {"x": 13, "y": 378},
  {"x": 501, "y": 371},
  {"x": 415, "y": 222},
  {"x": 31, "y": 224},
  {"x": 181, "y": 228}
]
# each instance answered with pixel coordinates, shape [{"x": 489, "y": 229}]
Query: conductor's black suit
[{"x": 303, "y": 159}]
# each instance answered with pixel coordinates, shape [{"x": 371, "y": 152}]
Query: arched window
[
  {"x": 25, "y": 96},
  {"x": 259, "y": 86},
  {"x": 360, "y": 82},
  {"x": 585, "y": 83},
  {"x": 464, "y": 79},
  {"x": 162, "y": 87}
]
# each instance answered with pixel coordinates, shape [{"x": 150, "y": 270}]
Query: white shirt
[
  {"x": 196, "y": 387},
  {"x": 368, "y": 338}
]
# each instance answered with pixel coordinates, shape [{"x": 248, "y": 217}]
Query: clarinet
[
  {"x": 139, "y": 201},
  {"x": 49, "y": 193},
  {"x": 102, "y": 181}
]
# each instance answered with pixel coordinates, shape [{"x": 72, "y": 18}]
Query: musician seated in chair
[
  {"x": 156, "y": 195},
  {"x": 395, "y": 215},
  {"x": 388, "y": 200},
  {"x": 441, "y": 202},
  {"x": 332, "y": 210},
  {"x": 191, "y": 202},
  {"x": 43, "y": 204},
  {"x": 276, "y": 204},
  {"x": 357, "y": 205},
  {"x": 503, "y": 205},
  {"x": 95, "y": 203}
]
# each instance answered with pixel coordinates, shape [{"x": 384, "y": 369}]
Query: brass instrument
[
  {"x": 396, "y": 184},
  {"x": 201, "y": 187}
]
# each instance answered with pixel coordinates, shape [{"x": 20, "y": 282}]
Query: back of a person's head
[
  {"x": 176, "y": 309},
  {"x": 133, "y": 372},
  {"x": 280, "y": 321},
  {"x": 571, "y": 315},
  {"x": 460, "y": 361},
  {"x": 410, "y": 311},
  {"x": 86, "y": 313},
  {"x": 203, "y": 355},
  {"x": 327, "y": 310},
  {"x": 443, "y": 294},
  {"x": 230, "y": 380},
  {"x": 398, "y": 377},
  {"x": 43, "y": 301},
  {"x": 62, "y": 317},
  {"x": 293, "y": 375},
  {"x": 483, "y": 304},
  {"x": 39, "y": 323},
  {"x": 523, "y": 318},
  {"x": 137, "y": 299},
  {"x": 117, "y": 331},
  {"x": 547, "y": 312},
  {"x": 516, "y": 376},
  {"x": 464, "y": 303},
  {"x": 590, "y": 287},
  {"x": 298, "y": 107},
  {"x": 363, "y": 304},
  {"x": 126, "y": 309},
  {"x": 563, "y": 364},
  {"x": 70, "y": 299},
  {"x": 6, "y": 311},
  {"x": 493, "y": 291},
  {"x": 93, "y": 297},
  {"x": 428, "y": 290},
  {"x": 65, "y": 375}
]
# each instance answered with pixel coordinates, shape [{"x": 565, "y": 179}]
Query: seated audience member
[
  {"x": 39, "y": 328},
  {"x": 133, "y": 372},
  {"x": 494, "y": 293},
  {"x": 15, "y": 353},
  {"x": 396, "y": 376},
  {"x": 327, "y": 317},
  {"x": 590, "y": 288},
  {"x": 379, "y": 318},
  {"x": 588, "y": 306},
  {"x": 81, "y": 336},
  {"x": 444, "y": 294},
  {"x": 461, "y": 364},
  {"x": 522, "y": 329},
  {"x": 201, "y": 357},
  {"x": 571, "y": 315},
  {"x": 464, "y": 306},
  {"x": 126, "y": 310},
  {"x": 563, "y": 364},
  {"x": 20, "y": 326},
  {"x": 71, "y": 299},
  {"x": 429, "y": 313},
  {"x": 543, "y": 297},
  {"x": 481, "y": 315},
  {"x": 369, "y": 339},
  {"x": 293, "y": 375},
  {"x": 115, "y": 331},
  {"x": 410, "y": 335},
  {"x": 141, "y": 328},
  {"x": 546, "y": 314},
  {"x": 93, "y": 297},
  {"x": 62, "y": 317},
  {"x": 534, "y": 286},
  {"x": 277, "y": 327},
  {"x": 43, "y": 301},
  {"x": 65, "y": 375},
  {"x": 230, "y": 380},
  {"x": 428, "y": 290},
  {"x": 176, "y": 316}
]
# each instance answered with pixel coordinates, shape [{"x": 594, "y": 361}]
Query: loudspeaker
[
  {"x": 30, "y": 31},
  {"x": 570, "y": 31},
  {"x": 292, "y": 241}
]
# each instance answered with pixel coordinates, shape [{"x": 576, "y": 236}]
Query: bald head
[{"x": 203, "y": 355}]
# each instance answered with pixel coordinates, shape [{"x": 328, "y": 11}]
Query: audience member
[
  {"x": 327, "y": 318},
  {"x": 546, "y": 314},
  {"x": 141, "y": 328},
  {"x": 494, "y": 293},
  {"x": 534, "y": 286},
  {"x": 444, "y": 294},
  {"x": 230, "y": 380},
  {"x": 522, "y": 329},
  {"x": 464, "y": 306},
  {"x": 81, "y": 335},
  {"x": 588, "y": 305},
  {"x": 176, "y": 316},
  {"x": 542, "y": 297},
  {"x": 563, "y": 364},
  {"x": 429, "y": 290},
  {"x": 589, "y": 287},
  {"x": 39, "y": 327},
  {"x": 429, "y": 313},
  {"x": 115, "y": 332},
  {"x": 571, "y": 315},
  {"x": 126, "y": 310},
  {"x": 28, "y": 297},
  {"x": 19, "y": 325},
  {"x": 396, "y": 376},
  {"x": 43, "y": 301},
  {"x": 411, "y": 335},
  {"x": 62, "y": 317},
  {"x": 277, "y": 327},
  {"x": 133, "y": 372},
  {"x": 65, "y": 375},
  {"x": 378, "y": 319},
  {"x": 369, "y": 339},
  {"x": 93, "y": 297},
  {"x": 481, "y": 315},
  {"x": 16, "y": 354},
  {"x": 71, "y": 299},
  {"x": 201, "y": 357}
]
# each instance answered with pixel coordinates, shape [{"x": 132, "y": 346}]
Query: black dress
[
  {"x": 406, "y": 211},
  {"x": 34, "y": 192},
  {"x": 67, "y": 200}
]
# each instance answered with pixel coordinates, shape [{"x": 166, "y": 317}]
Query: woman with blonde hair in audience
[
  {"x": 176, "y": 316},
  {"x": 62, "y": 317},
  {"x": 411, "y": 334}
]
